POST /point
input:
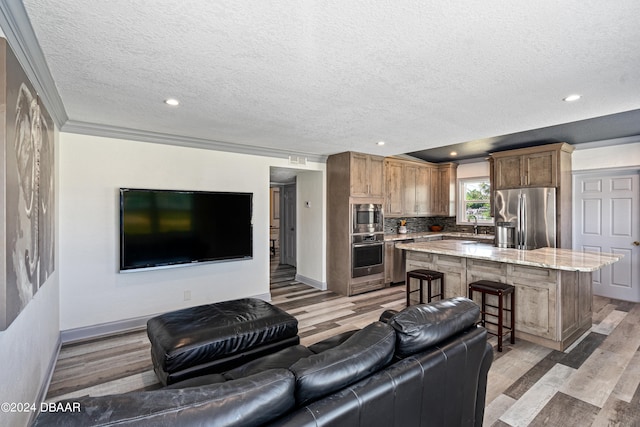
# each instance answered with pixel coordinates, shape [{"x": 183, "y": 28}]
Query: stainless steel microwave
[{"x": 367, "y": 218}]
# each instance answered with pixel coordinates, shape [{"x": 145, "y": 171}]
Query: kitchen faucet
[{"x": 475, "y": 224}]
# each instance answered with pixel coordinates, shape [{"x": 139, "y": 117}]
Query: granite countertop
[
  {"x": 556, "y": 259},
  {"x": 443, "y": 234}
]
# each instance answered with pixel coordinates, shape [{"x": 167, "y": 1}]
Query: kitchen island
[{"x": 553, "y": 286}]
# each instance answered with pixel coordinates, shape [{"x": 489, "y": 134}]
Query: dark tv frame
[{"x": 128, "y": 269}]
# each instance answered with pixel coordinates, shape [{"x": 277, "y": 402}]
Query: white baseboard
[
  {"x": 311, "y": 282},
  {"x": 104, "y": 329},
  {"x": 42, "y": 394},
  {"x": 118, "y": 326}
]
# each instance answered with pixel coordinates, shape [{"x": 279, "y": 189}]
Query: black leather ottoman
[{"x": 217, "y": 337}]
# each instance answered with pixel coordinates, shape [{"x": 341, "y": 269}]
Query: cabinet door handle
[{"x": 636, "y": 243}]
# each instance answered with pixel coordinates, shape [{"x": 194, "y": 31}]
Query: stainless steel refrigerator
[{"x": 526, "y": 218}]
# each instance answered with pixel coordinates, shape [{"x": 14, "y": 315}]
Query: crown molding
[
  {"x": 107, "y": 131},
  {"x": 19, "y": 33}
]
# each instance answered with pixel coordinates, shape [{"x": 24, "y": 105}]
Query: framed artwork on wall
[{"x": 27, "y": 165}]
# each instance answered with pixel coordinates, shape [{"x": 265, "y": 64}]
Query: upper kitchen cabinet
[
  {"x": 540, "y": 166},
  {"x": 407, "y": 188},
  {"x": 419, "y": 188},
  {"x": 443, "y": 189},
  {"x": 356, "y": 174},
  {"x": 367, "y": 175},
  {"x": 416, "y": 180},
  {"x": 393, "y": 188}
]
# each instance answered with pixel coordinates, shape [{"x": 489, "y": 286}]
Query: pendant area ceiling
[{"x": 326, "y": 77}]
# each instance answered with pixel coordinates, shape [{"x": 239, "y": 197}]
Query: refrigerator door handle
[
  {"x": 524, "y": 222},
  {"x": 519, "y": 223}
]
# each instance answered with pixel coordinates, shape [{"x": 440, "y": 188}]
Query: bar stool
[
  {"x": 499, "y": 289},
  {"x": 429, "y": 276}
]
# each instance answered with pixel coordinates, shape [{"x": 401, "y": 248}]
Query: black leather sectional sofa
[{"x": 425, "y": 365}]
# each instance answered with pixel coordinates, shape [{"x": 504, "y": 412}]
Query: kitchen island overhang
[{"x": 553, "y": 286}]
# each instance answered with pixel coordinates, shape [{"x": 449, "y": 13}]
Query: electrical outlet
[{"x": 187, "y": 295}]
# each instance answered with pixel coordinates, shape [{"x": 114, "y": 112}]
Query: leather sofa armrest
[
  {"x": 254, "y": 400},
  {"x": 387, "y": 314}
]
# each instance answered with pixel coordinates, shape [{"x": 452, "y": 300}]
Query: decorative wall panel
[{"x": 28, "y": 189}]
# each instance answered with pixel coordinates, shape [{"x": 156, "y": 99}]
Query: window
[{"x": 474, "y": 195}]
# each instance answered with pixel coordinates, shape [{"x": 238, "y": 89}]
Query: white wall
[
  {"x": 92, "y": 169},
  {"x": 310, "y": 240},
  {"x": 616, "y": 156},
  {"x": 473, "y": 170}
]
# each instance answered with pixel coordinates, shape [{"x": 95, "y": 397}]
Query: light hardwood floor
[{"x": 593, "y": 383}]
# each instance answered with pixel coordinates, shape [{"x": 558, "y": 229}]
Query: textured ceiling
[{"x": 325, "y": 77}]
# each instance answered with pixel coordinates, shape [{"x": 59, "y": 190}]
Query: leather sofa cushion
[
  {"x": 331, "y": 342},
  {"x": 366, "y": 351},
  {"x": 421, "y": 326},
  {"x": 280, "y": 359},
  {"x": 198, "y": 381},
  {"x": 197, "y": 335},
  {"x": 250, "y": 401}
]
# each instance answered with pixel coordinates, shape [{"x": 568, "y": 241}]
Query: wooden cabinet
[
  {"x": 351, "y": 178},
  {"x": 542, "y": 166},
  {"x": 536, "y": 300},
  {"x": 393, "y": 188},
  {"x": 454, "y": 269},
  {"x": 367, "y": 175},
  {"x": 419, "y": 188},
  {"x": 416, "y": 181},
  {"x": 443, "y": 190},
  {"x": 553, "y": 307}
]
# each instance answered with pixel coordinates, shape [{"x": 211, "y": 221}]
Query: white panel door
[{"x": 607, "y": 220}]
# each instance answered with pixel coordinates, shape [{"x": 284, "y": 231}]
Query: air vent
[{"x": 297, "y": 160}]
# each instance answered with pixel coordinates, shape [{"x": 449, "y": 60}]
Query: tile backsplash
[{"x": 420, "y": 224}]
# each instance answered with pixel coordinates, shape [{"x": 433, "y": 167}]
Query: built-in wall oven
[
  {"x": 367, "y": 218},
  {"x": 367, "y": 254}
]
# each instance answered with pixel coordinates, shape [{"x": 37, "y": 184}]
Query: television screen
[{"x": 165, "y": 227}]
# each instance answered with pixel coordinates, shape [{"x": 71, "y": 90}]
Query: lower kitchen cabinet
[{"x": 553, "y": 307}]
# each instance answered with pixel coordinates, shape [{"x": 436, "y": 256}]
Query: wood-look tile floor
[{"x": 593, "y": 383}]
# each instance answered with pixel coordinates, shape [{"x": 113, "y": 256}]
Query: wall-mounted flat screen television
[{"x": 161, "y": 228}]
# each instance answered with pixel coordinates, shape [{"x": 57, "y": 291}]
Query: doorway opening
[{"x": 282, "y": 221}]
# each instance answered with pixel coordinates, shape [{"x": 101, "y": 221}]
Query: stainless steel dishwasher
[{"x": 399, "y": 262}]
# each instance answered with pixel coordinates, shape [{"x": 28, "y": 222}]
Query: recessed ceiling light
[
  {"x": 453, "y": 153},
  {"x": 571, "y": 98},
  {"x": 380, "y": 143},
  {"x": 172, "y": 101}
]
